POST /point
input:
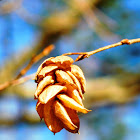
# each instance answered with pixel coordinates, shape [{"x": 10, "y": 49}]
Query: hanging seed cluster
[{"x": 60, "y": 88}]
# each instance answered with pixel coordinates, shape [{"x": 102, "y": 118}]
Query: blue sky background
[{"x": 110, "y": 120}]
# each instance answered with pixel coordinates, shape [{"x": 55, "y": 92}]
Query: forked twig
[{"x": 35, "y": 59}]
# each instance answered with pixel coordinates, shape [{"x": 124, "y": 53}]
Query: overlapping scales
[{"x": 60, "y": 89}]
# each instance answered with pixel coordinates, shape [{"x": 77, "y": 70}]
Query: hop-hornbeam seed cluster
[{"x": 60, "y": 88}]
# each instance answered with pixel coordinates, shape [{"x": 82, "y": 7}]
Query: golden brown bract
[{"x": 60, "y": 89}]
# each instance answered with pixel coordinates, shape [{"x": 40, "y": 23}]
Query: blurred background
[{"x": 113, "y": 76}]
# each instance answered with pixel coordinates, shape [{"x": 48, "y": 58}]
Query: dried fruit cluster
[{"x": 60, "y": 88}]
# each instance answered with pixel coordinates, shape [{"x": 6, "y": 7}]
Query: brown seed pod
[
  {"x": 73, "y": 93},
  {"x": 77, "y": 83},
  {"x": 75, "y": 70},
  {"x": 51, "y": 120},
  {"x": 63, "y": 78},
  {"x": 61, "y": 113},
  {"x": 74, "y": 118},
  {"x": 42, "y": 84},
  {"x": 71, "y": 103},
  {"x": 49, "y": 92},
  {"x": 60, "y": 88},
  {"x": 40, "y": 110}
]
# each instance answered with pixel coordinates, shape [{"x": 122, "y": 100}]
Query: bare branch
[
  {"x": 34, "y": 60},
  {"x": 48, "y": 49},
  {"x": 83, "y": 55}
]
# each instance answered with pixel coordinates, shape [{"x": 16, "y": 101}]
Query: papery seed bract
[
  {"x": 40, "y": 110},
  {"x": 41, "y": 66},
  {"x": 61, "y": 61},
  {"x": 73, "y": 93},
  {"x": 47, "y": 70},
  {"x": 62, "y": 114},
  {"x": 74, "y": 118},
  {"x": 50, "y": 92},
  {"x": 52, "y": 122},
  {"x": 45, "y": 82},
  {"x": 78, "y": 73},
  {"x": 63, "y": 77},
  {"x": 77, "y": 83},
  {"x": 70, "y": 103}
]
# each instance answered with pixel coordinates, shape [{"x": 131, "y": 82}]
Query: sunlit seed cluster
[{"x": 60, "y": 88}]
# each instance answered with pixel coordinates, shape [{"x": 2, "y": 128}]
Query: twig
[
  {"x": 34, "y": 60},
  {"x": 83, "y": 55},
  {"x": 47, "y": 50},
  {"x": 23, "y": 79},
  {"x": 16, "y": 81}
]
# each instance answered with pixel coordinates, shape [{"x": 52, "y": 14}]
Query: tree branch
[
  {"x": 48, "y": 49},
  {"x": 83, "y": 55},
  {"x": 34, "y": 60}
]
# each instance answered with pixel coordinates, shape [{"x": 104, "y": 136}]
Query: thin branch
[
  {"x": 47, "y": 50},
  {"x": 83, "y": 55},
  {"x": 23, "y": 79},
  {"x": 34, "y": 60},
  {"x": 16, "y": 81}
]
